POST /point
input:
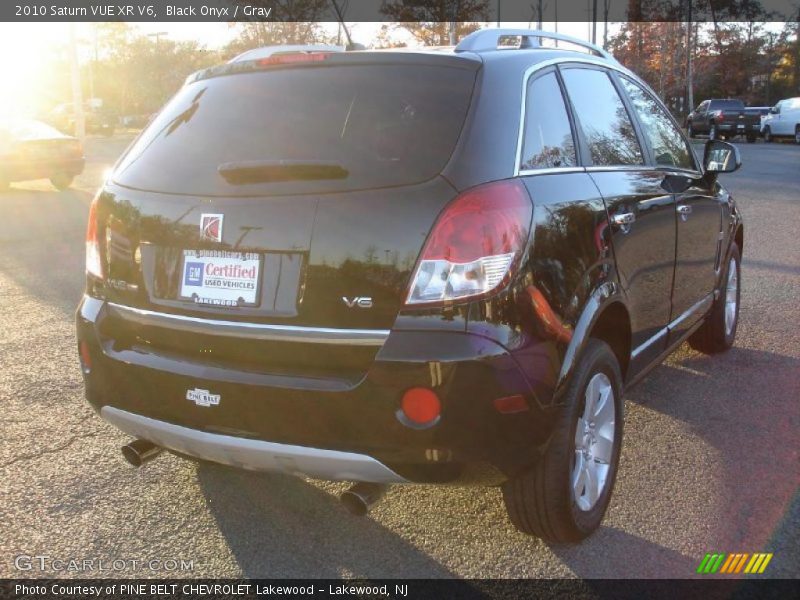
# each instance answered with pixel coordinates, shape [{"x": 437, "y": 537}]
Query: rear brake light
[
  {"x": 475, "y": 244},
  {"x": 94, "y": 265},
  {"x": 299, "y": 57}
]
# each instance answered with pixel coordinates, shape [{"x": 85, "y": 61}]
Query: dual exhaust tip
[{"x": 357, "y": 500}]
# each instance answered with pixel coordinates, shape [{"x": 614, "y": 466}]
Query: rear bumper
[
  {"x": 253, "y": 455},
  {"x": 24, "y": 171},
  {"x": 740, "y": 127},
  {"x": 330, "y": 427}
]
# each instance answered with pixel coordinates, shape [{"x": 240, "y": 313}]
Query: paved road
[{"x": 710, "y": 458}]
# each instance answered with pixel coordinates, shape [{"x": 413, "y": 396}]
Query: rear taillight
[
  {"x": 475, "y": 244},
  {"x": 94, "y": 266}
]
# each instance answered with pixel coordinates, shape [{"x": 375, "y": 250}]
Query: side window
[
  {"x": 669, "y": 147},
  {"x": 547, "y": 137},
  {"x": 603, "y": 119}
]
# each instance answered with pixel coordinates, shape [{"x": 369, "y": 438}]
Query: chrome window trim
[
  {"x": 551, "y": 170},
  {"x": 254, "y": 455},
  {"x": 258, "y": 331},
  {"x": 678, "y": 171},
  {"x": 529, "y": 72},
  {"x": 598, "y": 168}
]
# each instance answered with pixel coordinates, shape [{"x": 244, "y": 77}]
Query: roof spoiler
[{"x": 267, "y": 51}]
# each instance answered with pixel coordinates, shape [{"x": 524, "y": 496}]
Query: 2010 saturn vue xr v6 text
[{"x": 407, "y": 267}]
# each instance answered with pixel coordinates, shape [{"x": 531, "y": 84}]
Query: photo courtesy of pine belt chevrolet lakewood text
[{"x": 391, "y": 267}]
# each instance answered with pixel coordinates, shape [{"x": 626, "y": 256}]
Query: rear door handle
[{"x": 623, "y": 218}]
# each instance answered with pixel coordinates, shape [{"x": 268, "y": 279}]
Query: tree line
[{"x": 134, "y": 73}]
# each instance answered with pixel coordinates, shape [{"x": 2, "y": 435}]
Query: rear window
[
  {"x": 729, "y": 104},
  {"x": 378, "y": 125}
]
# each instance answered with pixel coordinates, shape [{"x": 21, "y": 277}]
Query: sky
[{"x": 24, "y": 47}]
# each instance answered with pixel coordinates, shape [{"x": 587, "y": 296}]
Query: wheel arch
[{"x": 605, "y": 316}]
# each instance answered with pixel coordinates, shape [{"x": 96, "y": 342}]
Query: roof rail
[
  {"x": 486, "y": 40},
  {"x": 267, "y": 51}
]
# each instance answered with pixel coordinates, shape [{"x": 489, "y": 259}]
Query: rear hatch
[{"x": 292, "y": 194}]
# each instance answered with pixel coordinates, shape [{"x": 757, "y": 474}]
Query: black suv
[{"x": 407, "y": 267}]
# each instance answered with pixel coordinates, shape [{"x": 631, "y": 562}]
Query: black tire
[
  {"x": 767, "y": 135},
  {"x": 540, "y": 501},
  {"x": 797, "y": 135},
  {"x": 712, "y": 132},
  {"x": 714, "y": 336},
  {"x": 62, "y": 182}
]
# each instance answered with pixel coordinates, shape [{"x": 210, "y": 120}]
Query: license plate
[
  {"x": 220, "y": 278},
  {"x": 741, "y": 126}
]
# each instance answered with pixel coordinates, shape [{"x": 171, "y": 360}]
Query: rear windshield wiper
[{"x": 264, "y": 171}]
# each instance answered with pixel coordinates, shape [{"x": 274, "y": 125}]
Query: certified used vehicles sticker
[{"x": 220, "y": 278}]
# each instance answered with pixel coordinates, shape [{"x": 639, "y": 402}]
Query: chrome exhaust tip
[
  {"x": 139, "y": 452},
  {"x": 361, "y": 496}
]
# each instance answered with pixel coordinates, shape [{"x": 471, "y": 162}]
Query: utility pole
[
  {"x": 77, "y": 95},
  {"x": 158, "y": 36},
  {"x": 689, "y": 82},
  {"x": 159, "y": 72},
  {"x": 594, "y": 21}
]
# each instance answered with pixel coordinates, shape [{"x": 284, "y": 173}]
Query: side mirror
[{"x": 721, "y": 157}]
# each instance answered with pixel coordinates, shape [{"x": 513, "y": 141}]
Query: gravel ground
[{"x": 710, "y": 458}]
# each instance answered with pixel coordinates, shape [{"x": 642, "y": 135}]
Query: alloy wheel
[{"x": 594, "y": 442}]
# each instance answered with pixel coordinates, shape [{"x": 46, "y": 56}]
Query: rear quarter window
[
  {"x": 547, "y": 139},
  {"x": 384, "y": 125}
]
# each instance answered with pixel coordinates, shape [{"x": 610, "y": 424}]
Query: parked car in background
[
  {"x": 504, "y": 241},
  {"x": 723, "y": 119},
  {"x": 97, "y": 120},
  {"x": 761, "y": 111},
  {"x": 33, "y": 150},
  {"x": 783, "y": 121}
]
